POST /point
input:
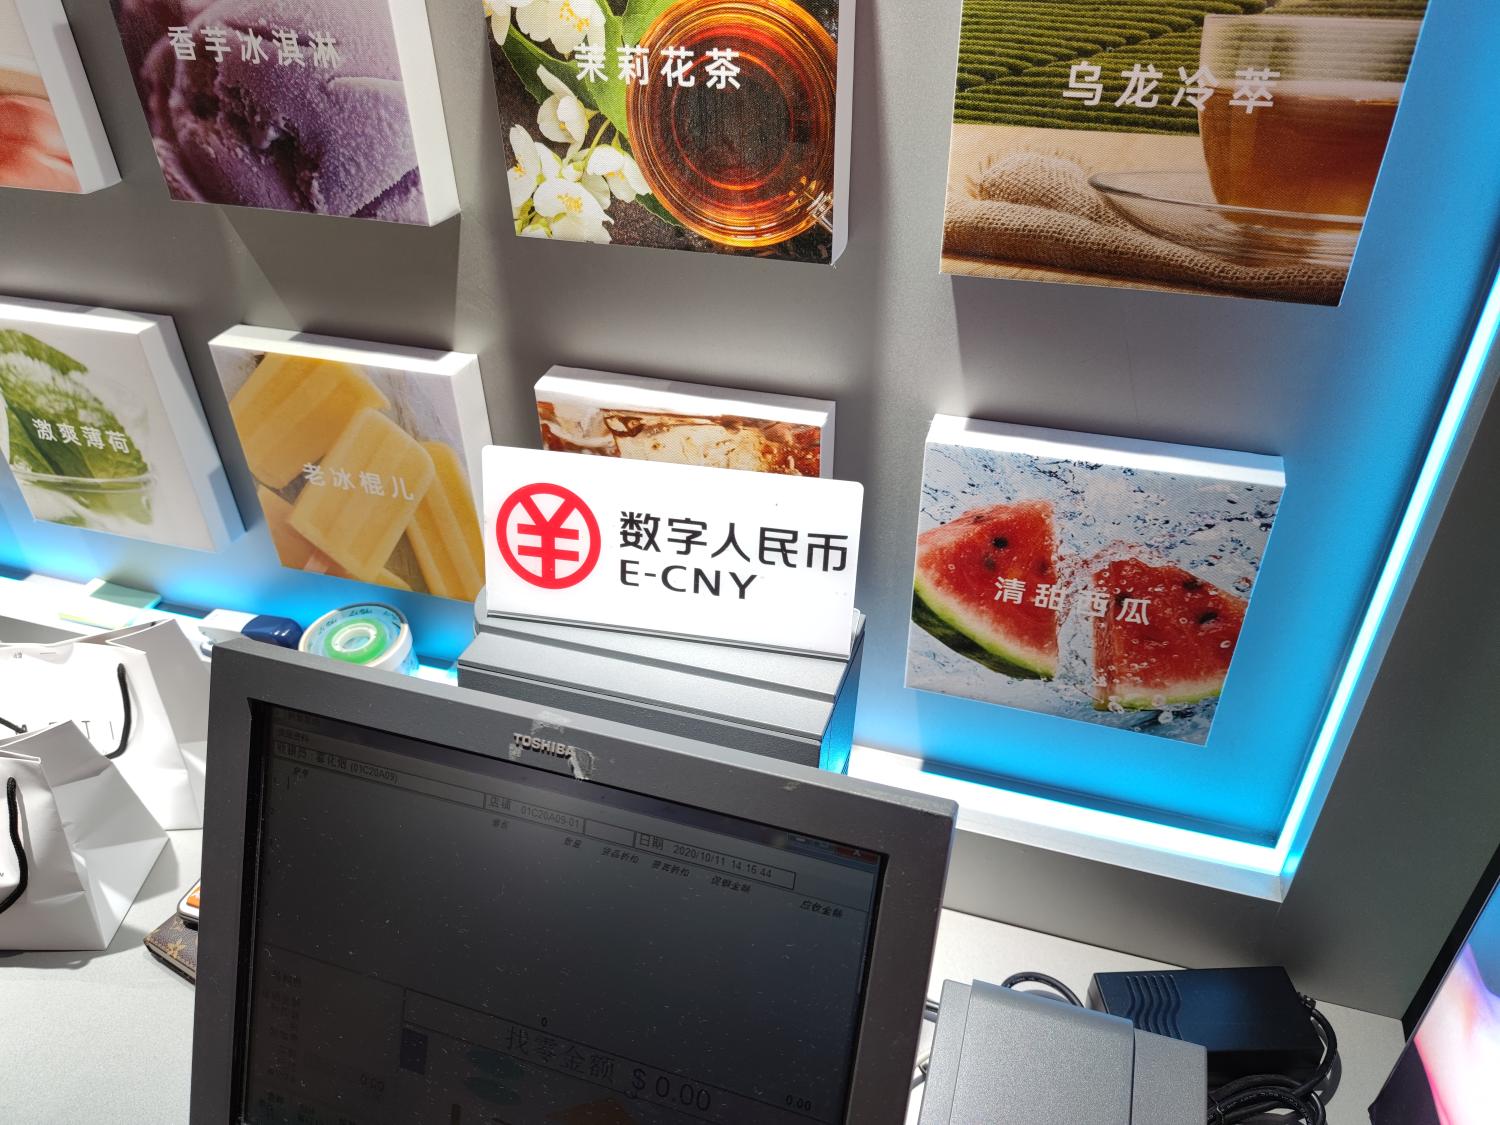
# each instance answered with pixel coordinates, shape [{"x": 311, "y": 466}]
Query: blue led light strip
[
  {"x": 1455, "y": 431},
  {"x": 1264, "y": 871}
]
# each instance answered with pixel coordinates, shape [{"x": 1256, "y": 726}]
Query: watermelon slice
[
  {"x": 1172, "y": 650},
  {"x": 957, "y": 598}
]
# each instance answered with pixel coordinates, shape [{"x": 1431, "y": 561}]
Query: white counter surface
[{"x": 106, "y": 1038}]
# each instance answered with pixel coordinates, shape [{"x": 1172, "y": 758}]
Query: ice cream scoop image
[
  {"x": 33, "y": 153},
  {"x": 293, "y": 105}
]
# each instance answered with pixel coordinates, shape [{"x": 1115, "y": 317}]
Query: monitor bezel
[
  {"x": 912, "y": 831},
  {"x": 1486, "y": 893}
]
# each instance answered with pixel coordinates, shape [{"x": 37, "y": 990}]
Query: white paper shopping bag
[
  {"x": 181, "y": 679},
  {"x": 77, "y": 842},
  {"x": 139, "y": 695}
]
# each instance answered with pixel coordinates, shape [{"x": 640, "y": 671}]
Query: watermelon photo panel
[{"x": 1098, "y": 579}]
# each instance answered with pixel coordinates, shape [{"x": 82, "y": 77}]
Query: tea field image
[{"x": 1015, "y": 56}]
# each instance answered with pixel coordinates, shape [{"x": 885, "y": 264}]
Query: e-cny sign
[
  {"x": 676, "y": 550},
  {"x": 548, "y": 536}
]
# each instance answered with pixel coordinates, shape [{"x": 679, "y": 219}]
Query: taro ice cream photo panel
[{"x": 328, "y": 107}]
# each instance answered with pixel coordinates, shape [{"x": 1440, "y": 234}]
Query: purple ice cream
[{"x": 331, "y": 137}]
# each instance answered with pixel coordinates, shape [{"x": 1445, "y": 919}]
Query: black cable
[
  {"x": 1248, "y": 1098},
  {"x": 1057, "y": 986},
  {"x": 125, "y": 704},
  {"x": 13, "y": 803},
  {"x": 929, "y": 1013}
]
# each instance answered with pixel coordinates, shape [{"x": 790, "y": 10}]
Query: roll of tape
[{"x": 371, "y": 635}]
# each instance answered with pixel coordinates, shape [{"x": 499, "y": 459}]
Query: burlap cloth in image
[{"x": 1040, "y": 211}]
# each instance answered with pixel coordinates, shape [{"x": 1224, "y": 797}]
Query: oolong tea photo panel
[
  {"x": 707, "y": 125},
  {"x": 1068, "y": 575},
  {"x": 1208, "y": 146}
]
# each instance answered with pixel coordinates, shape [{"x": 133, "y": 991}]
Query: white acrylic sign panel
[{"x": 747, "y": 558}]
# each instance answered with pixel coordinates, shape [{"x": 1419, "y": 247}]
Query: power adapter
[{"x": 1251, "y": 1021}]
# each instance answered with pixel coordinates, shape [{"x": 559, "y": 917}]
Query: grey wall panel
[{"x": 893, "y": 342}]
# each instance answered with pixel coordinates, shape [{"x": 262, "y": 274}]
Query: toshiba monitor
[{"x": 429, "y": 904}]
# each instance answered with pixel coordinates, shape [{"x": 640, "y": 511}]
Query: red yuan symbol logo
[{"x": 553, "y": 551}]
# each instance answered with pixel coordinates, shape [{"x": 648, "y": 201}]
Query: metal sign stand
[{"x": 790, "y": 706}]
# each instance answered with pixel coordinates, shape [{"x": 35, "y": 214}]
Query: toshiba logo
[{"x": 519, "y": 742}]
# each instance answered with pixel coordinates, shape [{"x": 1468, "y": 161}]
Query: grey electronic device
[
  {"x": 791, "y": 706},
  {"x": 1003, "y": 1057},
  {"x": 437, "y": 905}
]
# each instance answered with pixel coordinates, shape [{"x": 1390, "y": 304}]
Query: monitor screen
[
  {"x": 1449, "y": 1073},
  {"x": 438, "y": 936}
]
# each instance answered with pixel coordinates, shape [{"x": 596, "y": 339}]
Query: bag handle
[
  {"x": 125, "y": 723},
  {"x": 125, "y": 704},
  {"x": 13, "y": 803}
]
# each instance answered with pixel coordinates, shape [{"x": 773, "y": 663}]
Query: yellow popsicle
[
  {"x": 291, "y": 410},
  {"x": 444, "y": 534},
  {"x": 373, "y": 479},
  {"x": 291, "y": 548},
  {"x": 393, "y": 580},
  {"x": 320, "y": 563}
]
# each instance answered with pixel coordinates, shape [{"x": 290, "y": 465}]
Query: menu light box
[
  {"x": 715, "y": 126},
  {"x": 1103, "y": 580},
  {"x": 627, "y": 416},
  {"x": 326, "y": 107},
  {"x": 51, "y": 138},
  {"x": 1227, "y": 147},
  {"x": 365, "y": 456},
  {"x": 103, "y": 429}
]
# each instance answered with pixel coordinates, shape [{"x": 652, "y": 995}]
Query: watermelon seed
[
  {"x": 1000, "y": 542},
  {"x": 1192, "y": 584},
  {"x": 1211, "y": 615},
  {"x": 989, "y": 562}
]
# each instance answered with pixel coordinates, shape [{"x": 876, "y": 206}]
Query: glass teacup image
[
  {"x": 72, "y": 441},
  {"x": 115, "y": 504},
  {"x": 1303, "y": 109},
  {"x": 755, "y": 175}
]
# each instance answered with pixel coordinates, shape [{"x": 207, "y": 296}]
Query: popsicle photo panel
[{"x": 365, "y": 457}]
